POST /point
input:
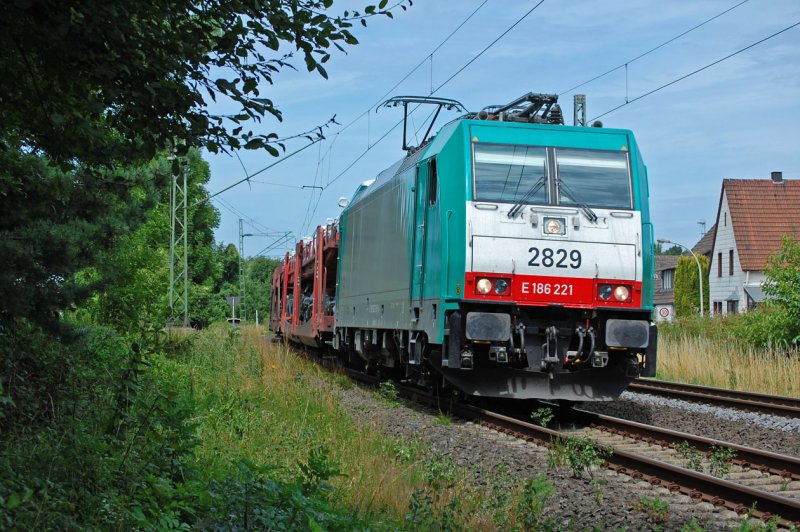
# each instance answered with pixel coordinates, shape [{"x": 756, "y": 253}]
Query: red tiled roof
[{"x": 762, "y": 213}]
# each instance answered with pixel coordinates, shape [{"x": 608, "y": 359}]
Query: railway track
[
  {"x": 749, "y": 481},
  {"x": 760, "y": 483},
  {"x": 767, "y": 404}
]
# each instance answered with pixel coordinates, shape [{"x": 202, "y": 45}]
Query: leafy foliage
[
  {"x": 774, "y": 324},
  {"x": 258, "y": 279},
  {"x": 581, "y": 454},
  {"x": 783, "y": 285},
  {"x": 687, "y": 285},
  {"x": 136, "y": 75},
  {"x": 55, "y": 223},
  {"x": 543, "y": 416}
]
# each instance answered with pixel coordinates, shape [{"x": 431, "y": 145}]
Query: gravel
[
  {"x": 573, "y": 506},
  {"x": 762, "y": 431}
]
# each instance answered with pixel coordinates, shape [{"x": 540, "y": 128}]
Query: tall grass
[
  {"x": 259, "y": 402},
  {"x": 725, "y": 362},
  {"x": 264, "y": 404}
]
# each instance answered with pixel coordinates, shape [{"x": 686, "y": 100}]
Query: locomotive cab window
[
  {"x": 593, "y": 177},
  {"x": 510, "y": 173}
]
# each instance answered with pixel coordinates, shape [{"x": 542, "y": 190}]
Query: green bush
[
  {"x": 94, "y": 435},
  {"x": 783, "y": 286}
]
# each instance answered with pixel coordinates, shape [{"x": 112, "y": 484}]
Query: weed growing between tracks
[
  {"x": 543, "y": 416},
  {"x": 720, "y": 459},
  {"x": 582, "y": 455},
  {"x": 655, "y": 507}
]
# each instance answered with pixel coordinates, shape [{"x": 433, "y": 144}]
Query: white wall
[{"x": 720, "y": 288}]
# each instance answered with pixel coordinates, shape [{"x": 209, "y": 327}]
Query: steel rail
[
  {"x": 785, "y": 466},
  {"x": 768, "y": 404},
  {"x": 698, "y": 486}
]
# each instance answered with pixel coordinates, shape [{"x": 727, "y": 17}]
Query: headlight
[
  {"x": 500, "y": 286},
  {"x": 621, "y": 293},
  {"x": 554, "y": 226},
  {"x": 484, "y": 286},
  {"x": 604, "y": 291}
]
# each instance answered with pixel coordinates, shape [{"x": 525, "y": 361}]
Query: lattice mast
[{"x": 179, "y": 246}]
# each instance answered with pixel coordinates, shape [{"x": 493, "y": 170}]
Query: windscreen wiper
[
  {"x": 518, "y": 206},
  {"x": 587, "y": 211}
]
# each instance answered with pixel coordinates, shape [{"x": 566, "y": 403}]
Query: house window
[
  {"x": 719, "y": 264},
  {"x": 717, "y": 307},
  {"x": 667, "y": 278},
  {"x": 730, "y": 262},
  {"x": 733, "y": 307},
  {"x": 725, "y": 218}
]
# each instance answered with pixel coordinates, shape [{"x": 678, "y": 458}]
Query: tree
[
  {"x": 687, "y": 286},
  {"x": 783, "y": 285},
  {"x": 55, "y": 223},
  {"x": 258, "y": 276},
  {"x": 674, "y": 250},
  {"x": 91, "y": 91},
  {"x": 132, "y": 277},
  {"x": 103, "y": 81}
]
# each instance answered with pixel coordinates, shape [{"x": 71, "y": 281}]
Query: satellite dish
[{"x": 343, "y": 202}]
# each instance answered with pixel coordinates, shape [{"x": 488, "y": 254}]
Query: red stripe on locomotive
[{"x": 541, "y": 290}]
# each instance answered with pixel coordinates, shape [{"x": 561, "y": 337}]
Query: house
[
  {"x": 753, "y": 217},
  {"x": 664, "y": 291}
]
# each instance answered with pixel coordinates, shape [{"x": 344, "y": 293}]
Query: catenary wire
[
  {"x": 676, "y": 80},
  {"x": 651, "y": 50},
  {"x": 459, "y": 71},
  {"x": 248, "y": 177},
  {"x": 252, "y": 221},
  {"x": 284, "y": 158},
  {"x": 514, "y": 25},
  {"x": 410, "y": 72}
]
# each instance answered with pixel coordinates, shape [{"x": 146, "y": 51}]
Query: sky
[{"x": 737, "y": 119}]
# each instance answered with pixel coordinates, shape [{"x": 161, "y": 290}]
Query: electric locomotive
[{"x": 509, "y": 256}]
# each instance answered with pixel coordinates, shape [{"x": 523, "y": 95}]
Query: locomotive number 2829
[{"x": 559, "y": 258}]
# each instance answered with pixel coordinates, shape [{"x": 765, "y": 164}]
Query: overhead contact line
[
  {"x": 718, "y": 61},
  {"x": 651, "y": 50}
]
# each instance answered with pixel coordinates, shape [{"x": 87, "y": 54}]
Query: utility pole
[{"x": 179, "y": 247}]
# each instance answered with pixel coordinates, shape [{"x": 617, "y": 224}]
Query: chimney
[{"x": 777, "y": 178}]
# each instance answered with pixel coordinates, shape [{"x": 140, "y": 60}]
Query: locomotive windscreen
[
  {"x": 517, "y": 173},
  {"x": 506, "y": 172},
  {"x": 593, "y": 177}
]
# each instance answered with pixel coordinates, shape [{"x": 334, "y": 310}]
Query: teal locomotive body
[{"x": 504, "y": 258}]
